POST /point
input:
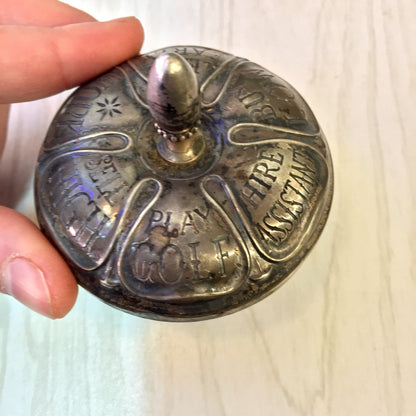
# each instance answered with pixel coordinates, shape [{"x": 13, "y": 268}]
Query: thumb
[{"x": 31, "y": 270}]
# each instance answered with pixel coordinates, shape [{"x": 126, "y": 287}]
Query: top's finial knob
[{"x": 173, "y": 96}]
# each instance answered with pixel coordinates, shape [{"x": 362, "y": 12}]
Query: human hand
[{"x": 47, "y": 47}]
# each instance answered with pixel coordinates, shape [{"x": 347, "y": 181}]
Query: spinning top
[{"x": 184, "y": 184}]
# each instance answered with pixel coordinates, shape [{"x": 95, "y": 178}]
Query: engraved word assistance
[{"x": 292, "y": 203}]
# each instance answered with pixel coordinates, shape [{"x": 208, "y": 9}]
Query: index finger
[
  {"x": 41, "y": 61},
  {"x": 40, "y": 13}
]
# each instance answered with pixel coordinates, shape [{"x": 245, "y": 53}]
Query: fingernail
[
  {"x": 123, "y": 19},
  {"x": 23, "y": 280}
]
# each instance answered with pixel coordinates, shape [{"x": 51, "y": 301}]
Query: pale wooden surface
[{"x": 340, "y": 337}]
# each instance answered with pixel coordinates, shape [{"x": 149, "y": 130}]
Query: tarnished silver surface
[{"x": 186, "y": 190}]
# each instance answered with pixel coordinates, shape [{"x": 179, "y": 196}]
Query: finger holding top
[
  {"x": 47, "y": 47},
  {"x": 38, "y": 61}
]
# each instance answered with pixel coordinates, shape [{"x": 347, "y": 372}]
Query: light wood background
[{"x": 339, "y": 338}]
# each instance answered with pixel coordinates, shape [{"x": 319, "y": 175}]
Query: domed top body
[{"x": 188, "y": 216}]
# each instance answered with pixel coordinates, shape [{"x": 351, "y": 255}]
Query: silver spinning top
[{"x": 184, "y": 184}]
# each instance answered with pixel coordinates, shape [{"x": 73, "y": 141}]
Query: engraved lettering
[
  {"x": 203, "y": 215},
  {"x": 72, "y": 118},
  {"x": 275, "y": 213},
  {"x": 264, "y": 170},
  {"x": 303, "y": 174},
  {"x": 198, "y": 51},
  {"x": 109, "y": 194},
  {"x": 70, "y": 124},
  {"x": 174, "y": 231},
  {"x": 220, "y": 253},
  {"x": 265, "y": 233},
  {"x": 93, "y": 226},
  {"x": 285, "y": 210},
  {"x": 264, "y": 113},
  {"x": 181, "y": 50},
  {"x": 280, "y": 100},
  {"x": 250, "y": 193},
  {"x": 302, "y": 180},
  {"x": 163, "y": 220},
  {"x": 188, "y": 222},
  {"x": 178, "y": 223},
  {"x": 269, "y": 84},
  {"x": 84, "y": 231},
  {"x": 63, "y": 187},
  {"x": 68, "y": 215},
  {"x": 155, "y": 217},
  {"x": 95, "y": 177},
  {"x": 271, "y": 158},
  {"x": 253, "y": 193},
  {"x": 107, "y": 179},
  {"x": 76, "y": 110},
  {"x": 145, "y": 265},
  {"x": 259, "y": 181},
  {"x": 166, "y": 264},
  {"x": 281, "y": 232},
  {"x": 93, "y": 163},
  {"x": 194, "y": 259},
  {"x": 89, "y": 93},
  {"x": 250, "y": 99},
  {"x": 106, "y": 80},
  {"x": 254, "y": 103},
  {"x": 171, "y": 264},
  {"x": 287, "y": 194},
  {"x": 281, "y": 219}
]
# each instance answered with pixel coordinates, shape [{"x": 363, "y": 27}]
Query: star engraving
[{"x": 109, "y": 108}]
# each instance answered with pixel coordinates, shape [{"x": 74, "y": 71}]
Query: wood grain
[{"x": 339, "y": 338}]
